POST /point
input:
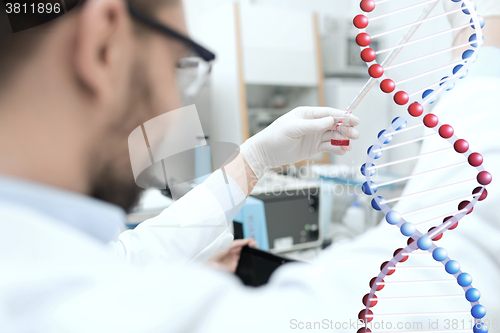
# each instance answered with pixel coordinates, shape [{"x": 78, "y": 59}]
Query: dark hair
[{"x": 16, "y": 48}]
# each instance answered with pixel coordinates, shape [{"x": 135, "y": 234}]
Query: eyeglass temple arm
[{"x": 146, "y": 20}]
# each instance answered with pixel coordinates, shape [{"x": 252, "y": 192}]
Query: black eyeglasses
[{"x": 193, "y": 70}]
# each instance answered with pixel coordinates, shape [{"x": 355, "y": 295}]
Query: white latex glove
[{"x": 296, "y": 136}]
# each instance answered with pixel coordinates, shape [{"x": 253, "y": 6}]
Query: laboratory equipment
[
  {"x": 355, "y": 217},
  {"x": 450, "y": 290},
  {"x": 251, "y": 223},
  {"x": 282, "y": 215},
  {"x": 292, "y": 220},
  {"x": 292, "y": 210}
]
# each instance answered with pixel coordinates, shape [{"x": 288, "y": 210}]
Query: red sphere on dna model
[
  {"x": 484, "y": 178},
  {"x": 368, "y": 55},
  {"x": 373, "y": 302},
  {"x": 453, "y": 226},
  {"x": 483, "y": 195},
  {"x": 431, "y": 120},
  {"x": 363, "y": 39},
  {"x": 367, "y": 5},
  {"x": 360, "y": 21},
  {"x": 446, "y": 131},
  {"x": 463, "y": 205},
  {"x": 392, "y": 269},
  {"x": 437, "y": 237},
  {"x": 409, "y": 241},
  {"x": 405, "y": 257},
  {"x": 364, "y": 330},
  {"x": 461, "y": 146},
  {"x": 401, "y": 98},
  {"x": 364, "y": 316},
  {"x": 379, "y": 287},
  {"x": 415, "y": 109},
  {"x": 475, "y": 159},
  {"x": 387, "y": 86},
  {"x": 376, "y": 71}
]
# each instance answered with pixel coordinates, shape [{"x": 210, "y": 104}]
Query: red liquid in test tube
[{"x": 344, "y": 142}]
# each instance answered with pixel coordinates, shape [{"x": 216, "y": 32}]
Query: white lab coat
[{"x": 54, "y": 278}]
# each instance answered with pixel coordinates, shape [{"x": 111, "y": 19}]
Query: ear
[{"x": 103, "y": 46}]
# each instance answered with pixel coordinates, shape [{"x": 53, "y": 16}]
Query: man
[{"x": 71, "y": 92}]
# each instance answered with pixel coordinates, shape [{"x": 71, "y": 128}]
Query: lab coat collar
[{"x": 100, "y": 220}]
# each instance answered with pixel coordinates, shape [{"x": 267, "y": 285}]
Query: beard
[
  {"x": 117, "y": 190},
  {"x": 112, "y": 179}
]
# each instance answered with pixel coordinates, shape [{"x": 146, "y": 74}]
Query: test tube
[{"x": 343, "y": 121}]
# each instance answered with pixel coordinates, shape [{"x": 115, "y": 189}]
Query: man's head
[{"x": 73, "y": 90}]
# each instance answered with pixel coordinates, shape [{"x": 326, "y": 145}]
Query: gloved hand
[{"x": 296, "y": 136}]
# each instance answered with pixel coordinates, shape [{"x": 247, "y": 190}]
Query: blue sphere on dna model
[
  {"x": 408, "y": 229},
  {"x": 478, "y": 311},
  {"x": 464, "y": 279},
  {"x": 424, "y": 243},
  {"x": 452, "y": 267},
  {"x": 472, "y": 295},
  {"x": 439, "y": 254},
  {"x": 393, "y": 217}
]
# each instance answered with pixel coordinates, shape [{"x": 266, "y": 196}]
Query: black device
[{"x": 256, "y": 266}]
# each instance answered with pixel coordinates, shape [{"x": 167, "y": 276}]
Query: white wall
[
  {"x": 340, "y": 8},
  {"x": 215, "y": 29}
]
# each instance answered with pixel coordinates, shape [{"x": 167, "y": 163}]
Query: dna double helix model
[{"x": 450, "y": 283}]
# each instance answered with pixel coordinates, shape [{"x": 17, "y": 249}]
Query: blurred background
[{"x": 275, "y": 55}]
